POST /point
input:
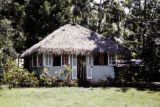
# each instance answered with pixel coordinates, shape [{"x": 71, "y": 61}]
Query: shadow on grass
[
  {"x": 145, "y": 87},
  {"x": 151, "y": 88}
]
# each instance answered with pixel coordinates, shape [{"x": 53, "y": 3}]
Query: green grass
[{"x": 78, "y": 97}]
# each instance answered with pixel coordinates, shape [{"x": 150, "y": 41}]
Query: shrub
[
  {"x": 1, "y": 78},
  {"x": 67, "y": 81},
  {"x": 62, "y": 79},
  {"x": 109, "y": 81},
  {"x": 129, "y": 74},
  {"x": 18, "y": 77},
  {"x": 45, "y": 80},
  {"x": 54, "y": 81}
]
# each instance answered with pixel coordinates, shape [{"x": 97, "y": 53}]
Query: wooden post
[
  {"x": 43, "y": 63},
  {"x": 116, "y": 58},
  {"x": 61, "y": 59},
  {"x": 108, "y": 59}
]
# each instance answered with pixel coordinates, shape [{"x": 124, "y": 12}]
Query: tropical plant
[{"x": 18, "y": 77}]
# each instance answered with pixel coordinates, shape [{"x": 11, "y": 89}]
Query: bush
[
  {"x": 67, "y": 81},
  {"x": 44, "y": 80},
  {"x": 55, "y": 81},
  {"x": 62, "y": 79},
  {"x": 129, "y": 74},
  {"x": 18, "y": 77},
  {"x": 1, "y": 79}
]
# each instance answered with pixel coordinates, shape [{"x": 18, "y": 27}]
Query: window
[
  {"x": 34, "y": 60},
  {"x": 112, "y": 59},
  {"x": 65, "y": 59},
  {"x": 40, "y": 59},
  {"x": 74, "y": 60},
  {"x": 56, "y": 60},
  {"x": 48, "y": 60},
  {"x": 30, "y": 61},
  {"x": 101, "y": 59},
  {"x": 90, "y": 61}
]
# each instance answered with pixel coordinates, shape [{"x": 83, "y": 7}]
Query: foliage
[
  {"x": 18, "y": 77},
  {"x": 129, "y": 74},
  {"x": 61, "y": 79},
  {"x": 1, "y": 78},
  {"x": 6, "y": 45},
  {"x": 10, "y": 64},
  {"x": 143, "y": 21},
  {"x": 11, "y": 19},
  {"x": 45, "y": 81},
  {"x": 68, "y": 77},
  {"x": 152, "y": 63},
  {"x": 67, "y": 74},
  {"x": 44, "y": 16}
]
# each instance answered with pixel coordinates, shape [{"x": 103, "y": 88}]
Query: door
[
  {"x": 81, "y": 67},
  {"x": 89, "y": 66},
  {"x": 74, "y": 67}
]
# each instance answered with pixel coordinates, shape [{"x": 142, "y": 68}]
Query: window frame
[
  {"x": 33, "y": 60},
  {"x": 45, "y": 58},
  {"x": 62, "y": 59},
  {"x": 112, "y": 56},
  {"x": 53, "y": 59},
  {"x": 110, "y": 61},
  {"x": 38, "y": 60},
  {"x": 98, "y": 58}
]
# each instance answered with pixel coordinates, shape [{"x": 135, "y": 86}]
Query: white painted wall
[
  {"x": 51, "y": 71},
  {"x": 101, "y": 72},
  {"x": 98, "y": 72}
]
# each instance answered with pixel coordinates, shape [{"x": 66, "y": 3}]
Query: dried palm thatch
[{"x": 73, "y": 39}]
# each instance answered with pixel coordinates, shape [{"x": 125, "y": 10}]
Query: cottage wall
[
  {"x": 102, "y": 72},
  {"x": 51, "y": 71},
  {"x": 98, "y": 72}
]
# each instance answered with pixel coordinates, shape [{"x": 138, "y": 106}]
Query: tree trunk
[{"x": 100, "y": 17}]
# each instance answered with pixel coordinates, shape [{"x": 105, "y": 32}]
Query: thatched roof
[{"x": 73, "y": 39}]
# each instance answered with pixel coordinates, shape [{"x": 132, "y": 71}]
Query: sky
[{"x": 97, "y": 1}]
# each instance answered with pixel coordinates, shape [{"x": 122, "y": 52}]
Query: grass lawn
[{"x": 78, "y": 97}]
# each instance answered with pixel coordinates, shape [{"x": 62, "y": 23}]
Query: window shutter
[
  {"x": 89, "y": 67},
  {"x": 74, "y": 67}
]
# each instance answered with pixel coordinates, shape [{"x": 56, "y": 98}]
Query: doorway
[{"x": 81, "y": 67}]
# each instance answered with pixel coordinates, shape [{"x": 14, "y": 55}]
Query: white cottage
[{"x": 90, "y": 55}]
